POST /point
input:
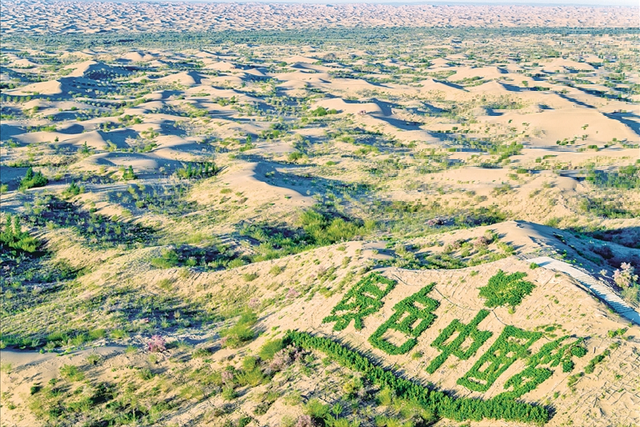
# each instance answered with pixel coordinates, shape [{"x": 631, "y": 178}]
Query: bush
[
  {"x": 71, "y": 373},
  {"x": 269, "y": 349},
  {"x": 240, "y": 333},
  {"x": 591, "y": 366},
  {"x": 12, "y": 236},
  {"x": 538, "y": 366},
  {"x": 625, "y": 276},
  {"x": 168, "y": 259},
  {"x": 316, "y": 409},
  {"x": 73, "y": 190},
  {"x": 128, "y": 174},
  {"x": 512, "y": 344},
  {"x": 32, "y": 180},
  {"x": 198, "y": 170},
  {"x": 631, "y": 294},
  {"x": 157, "y": 344}
]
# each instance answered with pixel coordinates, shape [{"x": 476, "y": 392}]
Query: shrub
[
  {"x": 304, "y": 421},
  {"x": 248, "y": 277},
  {"x": 240, "y": 333},
  {"x": 168, "y": 259},
  {"x": 71, "y": 373},
  {"x": 93, "y": 359},
  {"x": 316, "y": 409},
  {"x": 511, "y": 345},
  {"x": 73, "y": 190},
  {"x": 631, "y": 294},
  {"x": 32, "y": 180},
  {"x": 128, "y": 174},
  {"x": 157, "y": 344},
  {"x": 12, "y": 236},
  {"x": 295, "y": 156},
  {"x": 625, "y": 276},
  {"x": 591, "y": 366},
  {"x": 269, "y": 349},
  {"x": 538, "y": 366},
  {"x": 198, "y": 170}
]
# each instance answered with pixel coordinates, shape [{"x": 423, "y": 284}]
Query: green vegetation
[
  {"x": 453, "y": 347},
  {"x": 506, "y": 289},
  {"x": 315, "y": 229},
  {"x": 627, "y": 178},
  {"x": 591, "y": 366},
  {"x": 198, "y": 170},
  {"x": 436, "y": 402},
  {"x": 33, "y": 179},
  {"x": 13, "y": 239},
  {"x": 512, "y": 344},
  {"x": 538, "y": 366},
  {"x": 241, "y": 332},
  {"x": 362, "y": 300},
  {"x": 417, "y": 307}
]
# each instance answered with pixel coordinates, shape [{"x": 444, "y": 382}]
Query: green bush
[
  {"x": 240, "y": 333},
  {"x": 73, "y": 190},
  {"x": 168, "y": 259},
  {"x": 269, "y": 349},
  {"x": 316, "y": 409},
  {"x": 32, "y": 180},
  {"x": 538, "y": 366},
  {"x": 198, "y": 170},
  {"x": 591, "y": 366},
  {"x": 71, "y": 373},
  {"x": 12, "y": 236}
]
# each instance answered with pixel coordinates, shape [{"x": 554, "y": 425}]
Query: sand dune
[{"x": 139, "y": 17}]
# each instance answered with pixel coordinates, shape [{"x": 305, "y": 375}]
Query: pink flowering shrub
[
  {"x": 624, "y": 276},
  {"x": 157, "y": 344},
  {"x": 304, "y": 421}
]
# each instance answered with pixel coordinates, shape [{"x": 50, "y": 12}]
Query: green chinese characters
[
  {"x": 413, "y": 315},
  {"x": 363, "y": 299}
]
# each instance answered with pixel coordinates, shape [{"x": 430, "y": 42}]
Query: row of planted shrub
[{"x": 437, "y": 402}]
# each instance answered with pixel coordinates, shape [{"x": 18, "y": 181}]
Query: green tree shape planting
[
  {"x": 363, "y": 299},
  {"x": 416, "y": 308},
  {"x": 506, "y": 289},
  {"x": 538, "y": 366},
  {"x": 511, "y": 345},
  {"x": 455, "y": 347}
]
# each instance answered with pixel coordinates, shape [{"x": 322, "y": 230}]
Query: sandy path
[{"x": 602, "y": 291}]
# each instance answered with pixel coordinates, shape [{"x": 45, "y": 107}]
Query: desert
[{"x": 256, "y": 214}]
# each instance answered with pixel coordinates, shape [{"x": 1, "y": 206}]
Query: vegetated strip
[
  {"x": 320, "y": 36},
  {"x": 438, "y": 402}
]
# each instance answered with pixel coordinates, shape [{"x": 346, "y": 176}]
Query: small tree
[{"x": 624, "y": 276}]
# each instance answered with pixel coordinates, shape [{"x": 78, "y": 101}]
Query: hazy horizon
[{"x": 601, "y": 3}]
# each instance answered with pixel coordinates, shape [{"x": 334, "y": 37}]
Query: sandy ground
[
  {"x": 73, "y": 17},
  {"x": 405, "y": 138}
]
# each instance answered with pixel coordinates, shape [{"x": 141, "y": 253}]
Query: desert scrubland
[{"x": 310, "y": 215}]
